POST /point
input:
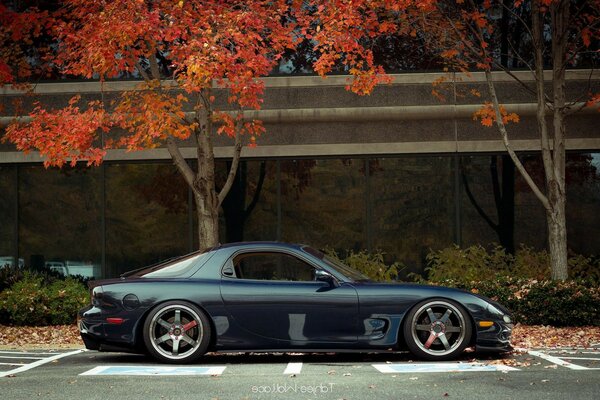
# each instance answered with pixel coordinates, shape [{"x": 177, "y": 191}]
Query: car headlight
[{"x": 507, "y": 319}]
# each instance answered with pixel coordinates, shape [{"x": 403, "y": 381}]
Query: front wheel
[
  {"x": 177, "y": 332},
  {"x": 437, "y": 329}
]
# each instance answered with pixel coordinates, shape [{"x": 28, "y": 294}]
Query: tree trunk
[
  {"x": 208, "y": 224},
  {"x": 557, "y": 234},
  {"x": 207, "y": 201},
  {"x": 557, "y": 225}
]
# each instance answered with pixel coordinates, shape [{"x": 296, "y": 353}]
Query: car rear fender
[{"x": 139, "y": 328}]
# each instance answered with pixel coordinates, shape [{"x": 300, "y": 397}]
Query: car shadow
[{"x": 281, "y": 358}]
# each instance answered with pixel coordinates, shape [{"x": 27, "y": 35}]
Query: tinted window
[
  {"x": 272, "y": 266},
  {"x": 172, "y": 269}
]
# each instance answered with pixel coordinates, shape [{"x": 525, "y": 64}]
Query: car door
[{"x": 274, "y": 294}]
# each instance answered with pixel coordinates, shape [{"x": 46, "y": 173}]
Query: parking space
[
  {"x": 14, "y": 362},
  {"x": 575, "y": 359},
  {"x": 96, "y": 364},
  {"x": 540, "y": 374}
]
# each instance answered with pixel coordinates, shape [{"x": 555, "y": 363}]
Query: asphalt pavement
[{"x": 77, "y": 374}]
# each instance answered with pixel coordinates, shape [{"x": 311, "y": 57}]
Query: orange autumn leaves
[
  {"x": 200, "y": 45},
  {"x": 224, "y": 43}
]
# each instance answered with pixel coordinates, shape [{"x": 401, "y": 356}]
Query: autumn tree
[
  {"x": 556, "y": 35},
  {"x": 199, "y": 63},
  {"x": 552, "y": 34}
]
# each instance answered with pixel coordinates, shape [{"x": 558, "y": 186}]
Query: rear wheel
[
  {"x": 177, "y": 332},
  {"x": 437, "y": 329}
]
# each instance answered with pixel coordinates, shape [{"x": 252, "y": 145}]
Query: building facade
[{"x": 399, "y": 171}]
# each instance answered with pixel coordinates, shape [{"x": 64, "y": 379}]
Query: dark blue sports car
[{"x": 282, "y": 297}]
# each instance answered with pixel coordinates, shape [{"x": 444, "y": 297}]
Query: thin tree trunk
[
  {"x": 556, "y": 216},
  {"x": 207, "y": 202},
  {"x": 557, "y": 236}
]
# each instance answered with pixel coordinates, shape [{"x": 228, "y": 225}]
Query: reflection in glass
[
  {"x": 323, "y": 203},
  {"x": 8, "y": 197},
  {"x": 491, "y": 198},
  {"x": 146, "y": 215},
  {"x": 60, "y": 219},
  {"x": 249, "y": 212},
  {"x": 412, "y": 200},
  {"x": 583, "y": 203}
]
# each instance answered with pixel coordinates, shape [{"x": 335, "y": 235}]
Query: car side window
[{"x": 272, "y": 267}]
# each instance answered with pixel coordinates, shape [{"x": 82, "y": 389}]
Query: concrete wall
[{"x": 310, "y": 116}]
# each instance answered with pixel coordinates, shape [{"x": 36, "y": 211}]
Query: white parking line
[
  {"x": 27, "y": 357},
  {"x": 556, "y": 360},
  {"x": 12, "y": 364},
  {"x": 30, "y": 353},
  {"x": 440, "y": 367},
  {"x": 293, "y": 368},
  {"x": 138, "y": 370},
  {"x": 37, "y": 363},
  {"x": 581, "y": 358}
]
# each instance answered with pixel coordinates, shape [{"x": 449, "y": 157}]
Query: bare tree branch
[
  {"x": 237, "y": 150},
  {"x": 502, "y": 128},
  {"x": 180, "y": 163}
]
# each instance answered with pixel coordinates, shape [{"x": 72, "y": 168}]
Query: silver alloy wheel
[
  {"x": 176, "y": 332},
  {"x": 438, "y": 328}
]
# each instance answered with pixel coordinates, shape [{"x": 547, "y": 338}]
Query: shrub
[
  {"x": 65, "y": 299},
  {"x": 30, "y": 301},
  {"x": 571, "y": 303},
  {"x": 9, "y": 275},
  {"x": 25, "y": 301},
  {"x": 370, "y": 264},
  {"x": 475, "y": 263}
]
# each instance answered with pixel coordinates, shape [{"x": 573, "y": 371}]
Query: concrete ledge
[
  {"x": 326, "y": 150},
  {"x": 302, "y": 81},
  {"x": 367, "y": 114}
]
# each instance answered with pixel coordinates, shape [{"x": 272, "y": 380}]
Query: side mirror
[{"x": 324, "y": 276}]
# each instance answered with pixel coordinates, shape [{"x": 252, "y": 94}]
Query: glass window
[
  {"x": 249, "y": 212},
  {"x": 272, "y": 266},
  {"x": 60, "y": 219},
  {"x": 146, "y": 215},
  {"x": 583, "y": 203},
  {"x": 180, "y": 266},
  {"x": 493, "y": 194},
  {"x": 323, "y": 203},
  {"x": 412, "y": 207},
  {"x": 8, "y": 198}
]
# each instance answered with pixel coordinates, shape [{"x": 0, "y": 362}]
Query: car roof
[{"x": 247, "y": 245}]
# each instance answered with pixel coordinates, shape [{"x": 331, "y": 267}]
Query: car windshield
[
  {"x": 338, "y": 266},
  {"x": 170, "y": 268}
]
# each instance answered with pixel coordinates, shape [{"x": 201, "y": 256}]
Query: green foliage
[
  {"x": 370, "y": 264},
  {"x": 9, "y": 275},
  {"x": 25, "y": 301},
  {"x": 521, "y": 283},
  {"x": 475, "y": 263},
  {"x": 571, "y": 303},
  {"x": 32, "y": 301}
]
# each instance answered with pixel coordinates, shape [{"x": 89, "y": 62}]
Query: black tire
[
  {"x": 177, "y": 332},
  {"x": 437, "y": 329}
]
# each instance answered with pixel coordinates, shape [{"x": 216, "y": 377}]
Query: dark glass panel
[
  {"x": 146, "y": 215},
  {"x": 323, "y": 203},
  {"x": 583, "y": 203},
  {"x": 412, "y": 200},
  {"x": 485, "y": 186},
  {"x": 249, "y": 211},
  {"x": 60, "y": 219},
  {"x": 8, "y": 197}
]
